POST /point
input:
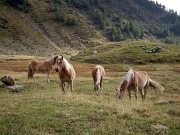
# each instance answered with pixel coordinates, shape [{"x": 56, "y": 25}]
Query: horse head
[
  {"x": 120, "y": 91},
  {"x": 56, "y": 57},
  {"x": 96, "y": 87},
  {"x": 60, "y": 62}
]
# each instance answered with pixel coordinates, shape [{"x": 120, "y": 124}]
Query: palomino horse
[
  {"x": 137, "y": 80},
  {"x": 98, "y": 73},
  {"x": 66, "y": 73},
  {"x": 46, "y": 65}
]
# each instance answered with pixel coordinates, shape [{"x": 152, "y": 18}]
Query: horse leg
[
  {"x": 142, "y": 94},
  {"x": 136, "y": 89},
  {"x": 101, "y": 85},
  {"x": 71, "y": 86},
  {"x": 95, "y": 87},
  {"x": 62, "y": 86},
  {"x": 48, "y": 76},
  {"x": 145, "y": 92},
  {"x": 129, "y": 92},
  {"x": 32, "y": 78}
]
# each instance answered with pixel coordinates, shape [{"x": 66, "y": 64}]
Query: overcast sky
[{"x": 170, "y": 4}]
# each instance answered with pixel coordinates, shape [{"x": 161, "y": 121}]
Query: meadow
[{"x": 42, "y": 109}]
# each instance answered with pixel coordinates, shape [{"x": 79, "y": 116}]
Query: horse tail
[
  {"x": 156, "y": 86},
  {"x": 29, "y": 72}
]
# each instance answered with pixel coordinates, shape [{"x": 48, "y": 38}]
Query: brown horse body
[
  {"x": 138, "y": 80},
  {"x": 98, "y": 73},
  {"x": 66, "y": 73},
  {"x": 46, "y": 66}
]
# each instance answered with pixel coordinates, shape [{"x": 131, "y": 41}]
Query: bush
[{"x": 21, "y": 5}]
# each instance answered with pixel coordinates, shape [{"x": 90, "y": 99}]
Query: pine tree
[
  {"x": 127, "y": 28},
  {"x": 120, "y": 24},
  {"x": 131, "y": 36},
  {"x": 113, "y": 37},
  {"x": 73, "y": 21},
  {"x": 96, "y": 2},
  {"x": 68, "y": 21},
  {"x": 88, "y": 4}
]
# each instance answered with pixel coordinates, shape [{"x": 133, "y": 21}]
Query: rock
[
  {"x": 16, "y": 87},
  {"x": 94, "y": 52},
  {"x": 8, "y": 80}
]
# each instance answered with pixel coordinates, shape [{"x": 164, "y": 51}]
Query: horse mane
[
  {"x": 66, "y": 64},
  {"x": 51, "y": 60},
  {"x": 127, "y": 78},
  {"x": 129, "y": 75}
]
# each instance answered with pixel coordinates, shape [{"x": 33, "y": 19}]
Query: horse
[
  {"x": 46, "y": 65},
  {"x": 98, "y": 74},
  {"x": 138, "y": 80},
  {"x": 66, "y": 73}
]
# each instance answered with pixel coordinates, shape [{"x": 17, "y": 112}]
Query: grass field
[{"x": 42, "y": 109}]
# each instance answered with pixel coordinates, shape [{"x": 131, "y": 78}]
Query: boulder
[{"x": 8, "y": 80}]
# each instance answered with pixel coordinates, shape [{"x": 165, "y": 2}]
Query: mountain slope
[
  {"x": 47, "y": 27},
  {"x": 38, "y": 33}
]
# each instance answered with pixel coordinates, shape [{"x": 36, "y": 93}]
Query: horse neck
[
  {"x": 52, "y": 61},
  {"x": 122, "y": 87},
  {"x": 129, "y": 76},
  {"x": 127, "y": 81},
  {"x": 98, "y": 75}
]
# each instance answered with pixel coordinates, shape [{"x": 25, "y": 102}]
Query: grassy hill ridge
[{"x": 134, "y": 52}]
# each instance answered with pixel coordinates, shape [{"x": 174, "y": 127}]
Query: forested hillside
[{"x": 45, "y": 27}]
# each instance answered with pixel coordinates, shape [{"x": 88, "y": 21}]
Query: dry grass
[{"x": 42, "y": 109}]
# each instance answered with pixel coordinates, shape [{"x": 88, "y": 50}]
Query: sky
[{"x": 170, "y": 4}]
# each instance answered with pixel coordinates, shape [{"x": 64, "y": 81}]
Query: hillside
[
  {"x": 48, "y": 27},
  {"x": 37, "y": 32}
]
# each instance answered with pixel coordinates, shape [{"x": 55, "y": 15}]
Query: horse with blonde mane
[
  {"x": 46, "y": 65},
  {"x": 66, "y": 73},
  {"x": 98, "y": 73},
  {"x": 138, "y": 80}
]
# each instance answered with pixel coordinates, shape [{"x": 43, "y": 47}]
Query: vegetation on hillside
[
  {"x": 45, "y": 27},
  {"x": 121, "y": 19},
  {"x": 48, "y": 27}
]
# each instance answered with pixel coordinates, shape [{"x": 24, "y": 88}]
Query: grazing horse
[
  {"x": 66, "y": 73},
  {"x": 46, "y": 65},
  {"x": 137, "y": 80},
  {"x": 98, "y": 73}
]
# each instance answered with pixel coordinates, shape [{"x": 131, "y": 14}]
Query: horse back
[
  {"x": 40, "y": 65},
  {"x": 143, "y": 78},
  {"x": 94, "y": 71}
]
